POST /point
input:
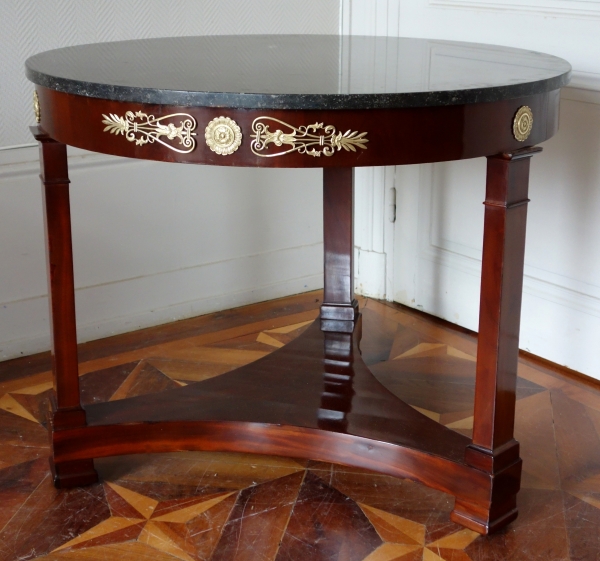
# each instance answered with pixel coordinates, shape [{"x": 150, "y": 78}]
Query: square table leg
[
  {"x": 340, "y": 309},
  {"x": 66, "y": 410},
  {"x": 494, "y": 449}
]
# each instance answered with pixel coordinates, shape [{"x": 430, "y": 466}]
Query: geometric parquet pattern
[{"x": 196, "y": 506}]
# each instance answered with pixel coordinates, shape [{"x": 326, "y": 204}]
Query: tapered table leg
[
  {"x": 494, "y": 450},
  {"x": 66, "y": 407},
  {"x": 339, "y": 310}
]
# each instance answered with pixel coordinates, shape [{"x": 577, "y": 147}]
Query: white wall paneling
[
  {"x": 375, "y": 193},
  {"x": 153, "y": 242},
  {"x": 438, "y": 232},
  {"x": 200, "y": 239},
  {"x": 559, "y": 27},
  {"x": 575, "y": 8},
  {"x": 374, "y": 231},
  {"x": 31, "y": 26},
  {"x": 368, "y": 17},
  {"x": 561, "y": 293}
]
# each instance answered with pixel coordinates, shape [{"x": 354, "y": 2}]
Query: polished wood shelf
[{"x": 314, "y": 399}]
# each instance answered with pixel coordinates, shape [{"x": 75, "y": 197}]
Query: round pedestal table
[{"x": 329, "y": 102}]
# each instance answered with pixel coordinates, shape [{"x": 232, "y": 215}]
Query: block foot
[
  {"x": 73, "y": 474},
  {"x": 482, "y": 520}
]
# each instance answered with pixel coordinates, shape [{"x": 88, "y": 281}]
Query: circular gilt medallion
[
  {"x": 523, "y": 123},
  {"x": 223, "y": 135}
]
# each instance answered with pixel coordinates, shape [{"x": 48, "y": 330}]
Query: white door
[{"x": 435, "y": 257}]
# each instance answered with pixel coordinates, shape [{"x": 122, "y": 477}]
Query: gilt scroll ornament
[
  {"x": 143, "y": 129},
  {"x": 313, "y": 140},
  {"x": 523, "y": 123},
  {"x": 223, "y": 135},
  {"x": 36, "y": 107}
]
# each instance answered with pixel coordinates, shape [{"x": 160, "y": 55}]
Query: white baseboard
[
  {"x": 164, "y": 298},
  {"x": 370, "y": 273}
]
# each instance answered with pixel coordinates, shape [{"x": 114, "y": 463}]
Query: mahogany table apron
[{"x": 301, "y": 107}]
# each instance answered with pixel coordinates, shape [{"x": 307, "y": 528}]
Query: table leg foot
[
  {"x": 73, "y": 474},
  {"x": 489, "y": 516},
  {"x": 482, "y": 519}
]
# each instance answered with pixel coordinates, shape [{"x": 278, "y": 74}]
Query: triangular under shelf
[{"x": 318, "y": 381}]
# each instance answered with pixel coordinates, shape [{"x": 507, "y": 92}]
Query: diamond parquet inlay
[{"x": 195, "y": 506}]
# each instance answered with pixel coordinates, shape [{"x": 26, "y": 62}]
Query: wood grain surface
[{"x": 222, "y": 506}]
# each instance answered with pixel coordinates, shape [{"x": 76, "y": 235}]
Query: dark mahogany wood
[
  {"x": 339, "y": 309},
  {"x": 328, "y": 407},
  {"x": 494, "y": 450},
  {"x": 66, "y": 407},
  {"x": 396, "y": 136},
  {"x": 315, "y": 398},
  {"x": 338, "y": 379},
  {"x": 500, "y": 301}
]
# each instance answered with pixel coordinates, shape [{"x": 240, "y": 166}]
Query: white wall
[
  {"x": 158, "y": 253},
  {"x": 437, "y": 238},
  {"x": 153, "y": 242}
]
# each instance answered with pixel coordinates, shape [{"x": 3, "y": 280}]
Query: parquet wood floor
[{"x": 215, "y": 506}]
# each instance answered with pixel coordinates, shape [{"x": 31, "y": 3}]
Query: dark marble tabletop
[{"x": 298, "y": 71}]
